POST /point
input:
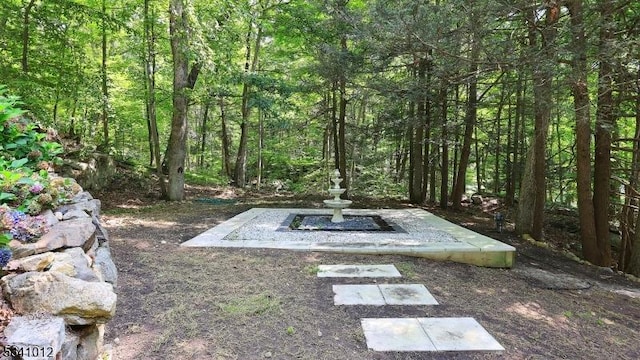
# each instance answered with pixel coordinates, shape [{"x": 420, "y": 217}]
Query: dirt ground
[{"x": 212, "y": 303}]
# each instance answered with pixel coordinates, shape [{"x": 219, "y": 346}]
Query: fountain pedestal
[{"x": 336, "y": 203}]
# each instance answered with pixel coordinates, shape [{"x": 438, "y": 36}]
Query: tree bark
[
  {"x": 203, "y": 132},
  {"x": 532, "y": 194},
  {"x": 224, "y": 134},
  {"x": 416, "y": 117},
  {"x": 469, "y": 125},
  {"x": 240, "y": 173},
  {"x": 25, "y": 36},
  {"x": 342, "y": 119},
  {"x": 103, "y": 75},
  {"x": 583, "y": 131},
  {"x": 604, "y": 127},
  {"x": 150, "y": 86},
  {"x": 444, "y": 170},
  {"x": 177, "y": 147}
]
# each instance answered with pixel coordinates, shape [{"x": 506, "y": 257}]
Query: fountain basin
[{"x": 338, "y": 204}]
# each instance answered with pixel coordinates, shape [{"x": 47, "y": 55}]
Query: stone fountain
[{"x": 336, "y": 203}]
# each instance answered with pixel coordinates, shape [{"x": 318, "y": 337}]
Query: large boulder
[
  {"x": 35, "y": 338},
  {"x": 75, "y": 263},
  {"x": 66, "y": 234},
  {"x": 39, "y": 262},
  {"x": 78, "y": 302},
  {"x": 91, "y": 207}
]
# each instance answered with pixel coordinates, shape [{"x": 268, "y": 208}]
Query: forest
[{"x": 534, "y": 102}]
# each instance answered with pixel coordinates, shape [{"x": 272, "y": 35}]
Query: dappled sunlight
[
  {"x": 312, "y": 257},
  {"x": 485, "y": 291},
  {"x": 135, "y": 343},
  {"x": 533, "y": 311},
  {"x": 122, "y": 221}
]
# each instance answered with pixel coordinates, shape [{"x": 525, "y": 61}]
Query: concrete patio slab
[
  {"x": 396, "y": 335},
  {"x": 427, "y": 334},
  {"x": 383, "y": 294},
  {"x": 369, "y": 271},
  {"x": 357, "y": 295},
  {"x": 406, "y": 294},
  {"x": 459, "y": 334},
  {"x": 416, "y": 233}
]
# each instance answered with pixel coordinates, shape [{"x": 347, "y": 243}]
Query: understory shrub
[{"x": 27, "y": 182}]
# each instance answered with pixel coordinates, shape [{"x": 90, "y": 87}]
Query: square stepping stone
[
  {"x": 358, "y": 271},
  {"x": 458, "y": 334},
  {"x": 396, "y": 335},
  {"x": 406, "y": 294},
  {"x": 357, "y": 295}
]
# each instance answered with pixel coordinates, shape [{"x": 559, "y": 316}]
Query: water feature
[{"x": 337, "y": 204}]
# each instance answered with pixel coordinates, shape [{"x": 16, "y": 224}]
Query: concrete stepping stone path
[
  {"x": 383, "y": 294},
  {"x": 427, "y": 334},
  {"x": 369, "y": 271},
  {"x": 405, "y": 334}
]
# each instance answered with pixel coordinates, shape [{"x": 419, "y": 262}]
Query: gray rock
[
  {"x": 78, "y": 302},
  {"x": 101, "y": 232},
  {"x": 82, "y": 196},
  {"x": 107, "y": 267},
  {"x": 91, "y": 207},
  {"x": 70, "y": 346},
  {"x": 38, "y": 262},
  {"x": 75, "y": 263},
  {"x": 38, "y": 338},
  {"x": 74, "y": 214},
  {"x": 91, "y": 343},
  {"x": 20, "y": 250},
  {"x": 50, "y": 217},
  {"x": 70, "y": 233}
]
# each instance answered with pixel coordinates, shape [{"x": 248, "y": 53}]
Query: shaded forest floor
[{"x": 186, "y": 303}]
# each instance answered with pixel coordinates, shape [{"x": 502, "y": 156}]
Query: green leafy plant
[
  {"x": 27, "y": 153},
  {"x": 291, "y": 330}
]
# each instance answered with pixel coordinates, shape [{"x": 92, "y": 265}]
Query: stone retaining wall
[{"x": 61, "y": 288}]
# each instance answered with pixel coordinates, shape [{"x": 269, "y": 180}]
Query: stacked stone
[{"x": 61, "y": 287}]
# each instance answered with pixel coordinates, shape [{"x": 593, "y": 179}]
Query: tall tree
[
  {"x": 252, "y": 51},
  {"x": 183, "y": 80},
  {"x": 604, "y": 128},
  {"x": 579, "y": 84},
  {"x": 150, "y": 99},
  {"x": 104, "y": 79},
  {"x": 532, "y": 193}
]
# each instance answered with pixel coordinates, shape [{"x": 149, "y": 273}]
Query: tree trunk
[
  {"x": 226, "y": 143},
  {"x": 498, "y": 131},
  {"x": 416, "y": 117},
  {"x": 415, "y": 156},
  {"x": 583, "y": 131},
  {"x": 444, "y": 170},
  {"x": 203, "y": 132},
  {"x": 240, "y": 173},
  {"x": 342, "y": 118},
  {"x": 103, "y": 75},
  {"x": 150, "y": 86},
  {"x": 182, "y": 81},
  {"x": 532, "y": 194},
  {"x": 260, "y": 146},
  {"x": 604, "y": 127},
  {"x": 631, "y": 261},
  {"x": 334, "y": 126},
  {"x": 25, "y": 36},
  {"x": 469, "y": 125}
]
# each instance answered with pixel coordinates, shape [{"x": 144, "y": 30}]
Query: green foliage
[
  {"x": 27, "y": 152},
  {"x": 22, "y": 142}
]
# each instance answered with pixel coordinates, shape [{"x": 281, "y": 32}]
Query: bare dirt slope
[{"x": 185, "y": 303}]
